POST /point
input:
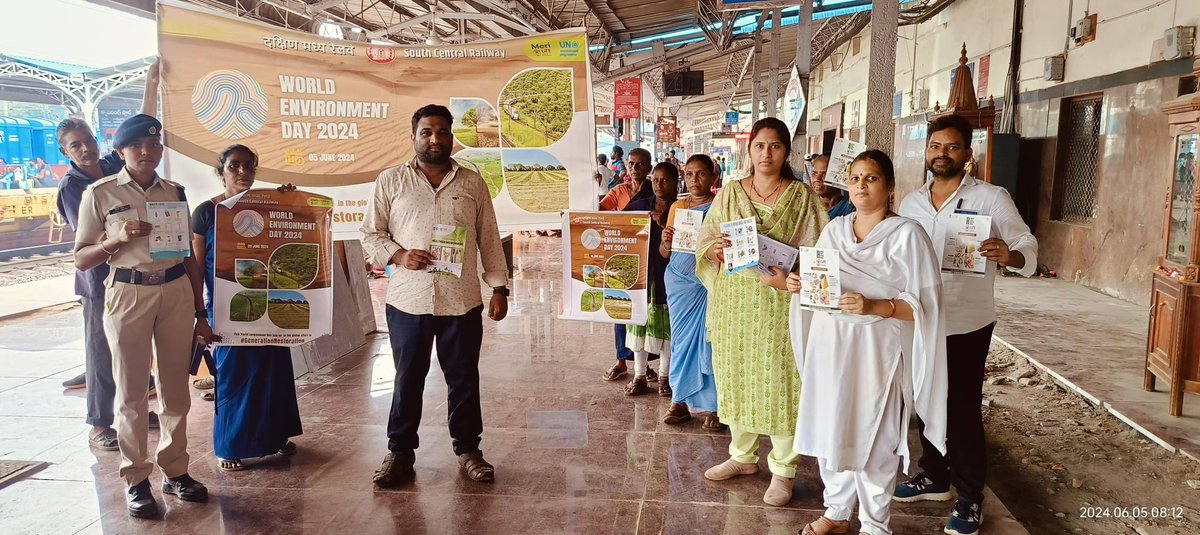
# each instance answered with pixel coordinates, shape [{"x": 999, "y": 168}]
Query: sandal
[
  {"x": 712, "y": 422},
  {"x": 677, "y": 414},
  {"x": 105, "y": 440},
  {"x": 664, "y": 389},
  {"x": 208, "y": 395},
  {"x": 287, "y": 450},
  {"x": 614, "y": 373},
  {"x": 476, "y": 468},
  {"x": 204, "y": 383},
  {"x": 230, "y": 465},
  {"x": 651, "y": 376},
  {"x": 636, "y": 387},
  {"x": 822, "y": 526}
]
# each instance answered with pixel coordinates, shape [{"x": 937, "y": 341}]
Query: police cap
[{"x": 140, "y": 125}]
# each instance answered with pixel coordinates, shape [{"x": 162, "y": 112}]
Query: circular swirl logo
[{"x": 230, "y": 104}]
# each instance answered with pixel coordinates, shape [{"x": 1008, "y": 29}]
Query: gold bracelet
[{"x": 110, "y": 253}]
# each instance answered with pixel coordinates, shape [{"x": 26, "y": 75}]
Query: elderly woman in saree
[
  {"x": 880, "y": 356},
  {"x": 758, "y": 387}
]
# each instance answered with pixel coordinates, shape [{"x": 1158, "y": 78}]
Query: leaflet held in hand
[
  {"x": 448, "y": 248},
  {"x": 687, "y": 230},
  {"x": 820, "y": 279},
  {"x": 774, "y": 253},
  {"x": 964, "y": 233},
  {"x": 742, "y": 252},
  {"x": 172, "y": 236}
]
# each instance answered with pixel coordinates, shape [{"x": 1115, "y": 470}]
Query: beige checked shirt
[{"x": 402, "y": 213}]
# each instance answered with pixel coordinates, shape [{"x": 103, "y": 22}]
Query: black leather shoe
[
  {"x": 397, "y": 470},
  {"x": 186, "y": 488},
  {"x": 140, "y": 501}
]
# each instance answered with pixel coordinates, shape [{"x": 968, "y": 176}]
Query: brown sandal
[
  {"x": 614, "y": 373},
  {"x": 664, "y": 389},
  {"x": 636, "y": 387},
  {"x": 823, "y": 526},
  {"x": 677, "y": 414},
  {"x": 651, "y": 376},
  {"x": 476, "y": 468},
  {"x": 105, "y": 440},
  {"x": 712, "y": 422}
]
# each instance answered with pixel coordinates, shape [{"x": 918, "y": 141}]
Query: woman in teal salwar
[
  {"x": 256, "y": 408},
  {"x": 691, "y": 373},
  {"x": 758, "y": 386}
]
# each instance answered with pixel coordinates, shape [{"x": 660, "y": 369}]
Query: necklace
[{"x": 773, "y": 192}]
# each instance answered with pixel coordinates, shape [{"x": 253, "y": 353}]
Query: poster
[
  {"x": 668, "y": 131},
  {"x": 844, "y": 152},
  {"x": 687, "y": 230},
  {"x": 329, "y": 115},
  {"x": 605, "y": 258},
  {"x": 963, "y": 234},
  {"x": 627, "y": 98},
  {"x": 794, "y": 102},
  {"x": 171, "y": 236},
  {"x": 273, "y": 263},
  {"x": 774, "y": 253},
  {"x": 820, "y": 279},
  {"x": 742, "y": 252}
]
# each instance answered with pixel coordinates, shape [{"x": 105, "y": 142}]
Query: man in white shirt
[
  {"x": 602, "y": 175},
  {"x": 970, "y": 315}
]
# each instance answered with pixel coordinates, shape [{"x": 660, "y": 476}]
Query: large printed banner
[
  {"x": 272, "y": 282},
  {"x": 330, "y": 115},
  {"x": 605, "y": 258}
]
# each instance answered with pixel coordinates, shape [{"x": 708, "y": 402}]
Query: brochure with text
[
  {"x": 742, "y": 252},
  {"x": 820, "y": 279}
]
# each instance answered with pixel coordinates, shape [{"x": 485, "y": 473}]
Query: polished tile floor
[{"x": 573, "y": 454}]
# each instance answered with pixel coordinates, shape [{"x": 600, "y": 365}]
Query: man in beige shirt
[
  {"x": 146, "y": 301},
  {"x": 433, "y": 220}
]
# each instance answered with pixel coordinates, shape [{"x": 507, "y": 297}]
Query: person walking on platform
[
  {"x": 256, "y": 409},
  {"x": 424, "y": 308},
  {"x": 148, "y": 301},
  {"x": 970, "y": 316},
  {"x": 77, "y": 142},
  {"x": 758, "y": 387}
]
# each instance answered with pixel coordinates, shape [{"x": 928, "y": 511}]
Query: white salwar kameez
[{"x": 863, "y": 374}]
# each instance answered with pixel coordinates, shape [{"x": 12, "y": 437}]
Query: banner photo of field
[
  {"x": 272, "y": 283},
  {"x": 605, "y": 255},
  {"x": 331, "y": 115}
]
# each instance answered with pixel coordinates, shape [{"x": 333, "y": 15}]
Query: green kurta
[{"x": 758, "y": 386}]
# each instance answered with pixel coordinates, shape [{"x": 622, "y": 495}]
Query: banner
[
  {"x": 668, "y": 131},
  {"x": 627, "y": 98},
  {"x": 794, "y": 102},
  {"x": 272, "y": 280},
  {"x": 330, "y": 115},
  {"x": 605, "y": 257}
]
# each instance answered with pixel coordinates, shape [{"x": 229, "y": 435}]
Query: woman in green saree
[{"x": 758, "y": 387}]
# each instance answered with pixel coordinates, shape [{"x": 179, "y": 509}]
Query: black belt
[{"x": 149, "y": 278}]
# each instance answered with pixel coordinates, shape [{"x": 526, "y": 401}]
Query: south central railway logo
[{"x": 381, "y": 55}]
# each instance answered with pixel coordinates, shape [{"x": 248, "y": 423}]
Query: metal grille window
[{"x": 1078, "y": 157}]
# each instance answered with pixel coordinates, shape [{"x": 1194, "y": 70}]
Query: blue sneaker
[
  {"x": 965, "y": 519},
  {"x": 921, "y": 488}
]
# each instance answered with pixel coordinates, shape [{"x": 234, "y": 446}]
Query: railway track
[
  {"x": 35, "y": 263},
  {"x": 15, "y": 264}
]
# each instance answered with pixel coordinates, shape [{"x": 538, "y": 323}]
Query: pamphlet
[
  {"x": 964, "y": 233},
  {"x": 844, "y": 152},
  {"x": 820, "y": 279},
  {"x": 172, "y": 236},
  {"x": 742, "y": 252},
  {"x": 687, "y": 230},
  {"x": 774, "y": 253},
  {"x": 447, "y": 247}
]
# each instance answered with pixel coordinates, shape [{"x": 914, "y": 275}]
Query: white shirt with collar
[{"x": 970, "y": 301}]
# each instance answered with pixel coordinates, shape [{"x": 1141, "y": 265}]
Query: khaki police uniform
[{"x": 145, "y": 300}]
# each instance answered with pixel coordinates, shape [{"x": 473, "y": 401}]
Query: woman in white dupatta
[{"x": 863, "y": 369}]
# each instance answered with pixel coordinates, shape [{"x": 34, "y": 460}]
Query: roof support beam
[
  {"x": 695, "y": 53},
  {"x": 446, "y": 16}
]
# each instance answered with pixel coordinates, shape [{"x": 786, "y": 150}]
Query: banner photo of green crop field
[{"x": 330, "y": 115}]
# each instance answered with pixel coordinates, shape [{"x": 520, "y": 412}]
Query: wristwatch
[
  {"x": 500, "y": 290},
  {"x": 201, "y": 314}
]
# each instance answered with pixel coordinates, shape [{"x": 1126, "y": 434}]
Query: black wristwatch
[
  {"x": 201, "y": 314},
  {"x": 500, "y": 290}
]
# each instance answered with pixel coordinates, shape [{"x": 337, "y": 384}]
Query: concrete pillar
[
  {"x": 881, "y": 81},
  {"x": 803, "y": 64},
  {"x": 756, "y": 66},
  {"x": 773, "y": 77}
]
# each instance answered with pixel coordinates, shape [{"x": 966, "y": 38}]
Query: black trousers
[
  {"x": 965, "y": 464},
  {"x": 458, "y": 340}
]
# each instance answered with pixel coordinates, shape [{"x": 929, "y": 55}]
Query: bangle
[
  {"x": 110, "y": 253},
  {"x": 893, "y": 312}
]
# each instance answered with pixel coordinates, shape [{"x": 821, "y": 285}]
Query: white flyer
[
  {"x": 687, "y": 230},
  {"x": 844, "y": 152},
  {"x": 774, "y": 253},
  {"x": 963, "y": 234},
  {"x": 820, "y": 279},
  {"x": 172, "y": 235},
  {"x": 742, "y": 252},
  {"x": 448, "y": 247}
]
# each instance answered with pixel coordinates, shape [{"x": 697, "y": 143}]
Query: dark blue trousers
[{"x": 458, "y": 340}]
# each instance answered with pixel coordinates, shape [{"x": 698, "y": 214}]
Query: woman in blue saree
[{"x": 256, "y": 409}]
